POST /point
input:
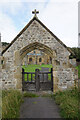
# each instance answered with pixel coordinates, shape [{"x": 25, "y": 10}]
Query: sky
[{"x": 60, "y": 16}]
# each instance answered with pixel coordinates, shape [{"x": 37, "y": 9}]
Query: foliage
[
  {"x": 11, "y": 100},
  {"x": 69, "y": 103},
  {"x": 5, "y": 43},
  {"x": 76, "y": 53},
  {"x": 5, "y": 93},
  {"x": 78, "y": 68},
  {"x": 0, "y": 104},
  {"x": 29, "y": 94}
]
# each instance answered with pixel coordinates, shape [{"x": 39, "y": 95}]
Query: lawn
[{"x": 31, "y": 68}]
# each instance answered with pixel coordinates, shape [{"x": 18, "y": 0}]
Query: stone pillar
[
  {"x": 26, "y": 59},
  {"x": 0, "y": 73},
  {"x": 54, "y": 61},
  {"x": 55, "y": 82},
  {"x": 0, "y": 80},
  {"x": 55, "y": 79},
  {"x": 18, "y": 70},
  {"x": 0, "y": 64}
]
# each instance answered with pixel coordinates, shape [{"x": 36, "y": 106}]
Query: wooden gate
[{"x": 37, "y": 81}]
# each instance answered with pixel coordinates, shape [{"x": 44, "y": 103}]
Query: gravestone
[
  {"x": 45, "y": 69},
  {"x": 45, "y": 75}
]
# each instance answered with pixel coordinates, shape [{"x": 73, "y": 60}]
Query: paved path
[{"x": 40, "y": 107}]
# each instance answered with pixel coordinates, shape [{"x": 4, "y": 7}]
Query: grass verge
[
  {"x": 78, "y": 68},
  {"x": 29, "y": 94},
  {"x": 69, "y": 103},
  {"x": 11, "y": 101},
  {"x": 0, "y": 104}
]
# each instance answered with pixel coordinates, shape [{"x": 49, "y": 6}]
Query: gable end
[{"x": 34, "y": 18}]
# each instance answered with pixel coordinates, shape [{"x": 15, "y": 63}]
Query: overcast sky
[{"x": 60, "y": 16}]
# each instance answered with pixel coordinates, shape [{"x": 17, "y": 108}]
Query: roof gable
[{"x": 35, "y": 18}]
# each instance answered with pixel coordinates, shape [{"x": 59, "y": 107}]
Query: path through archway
[{"x": 20, "y": 55}]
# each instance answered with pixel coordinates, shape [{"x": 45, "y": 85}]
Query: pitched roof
[{"x": 35, "y": 18}]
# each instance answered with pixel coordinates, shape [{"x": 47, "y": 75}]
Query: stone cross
[{"x": 35, "y": 12}]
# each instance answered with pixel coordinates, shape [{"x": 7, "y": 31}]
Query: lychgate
[{"x": 35, "y": 35}]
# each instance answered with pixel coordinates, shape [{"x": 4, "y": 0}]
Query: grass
[
  {"x": 46, "y": 95},
  {"x": 11, "y": 101},
  {"x": 69, "y": 103},
  {"x": 0, "y": 104},
  {"x": 78, "y": 68},
  {"x": 31, "y": 68},
  {"x": 29, "y": 94}
]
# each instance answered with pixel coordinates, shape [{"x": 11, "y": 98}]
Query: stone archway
[
  {"x": 19, "y": 55},
  {"x": 35, "y": 35}
]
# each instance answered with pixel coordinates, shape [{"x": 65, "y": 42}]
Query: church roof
[{"x": 35, "y": 18}]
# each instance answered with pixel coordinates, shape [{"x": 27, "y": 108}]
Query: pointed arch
[{"x": 36, "y": 45}]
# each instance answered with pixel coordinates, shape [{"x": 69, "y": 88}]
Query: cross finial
[{"x": 35, "y": 12}]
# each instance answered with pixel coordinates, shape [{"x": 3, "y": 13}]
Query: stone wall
[
  {"x": 0, "y": 66},
  {"x": 73, "y": 62},
  {"x": 62, "y": 72}
]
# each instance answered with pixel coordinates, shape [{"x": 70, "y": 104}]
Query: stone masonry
[
  {"x": 0, "y": 63},
  {"x": 36, "y": 35}
]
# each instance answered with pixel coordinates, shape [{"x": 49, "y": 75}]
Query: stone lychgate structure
[{"x": 35, "y": 35}]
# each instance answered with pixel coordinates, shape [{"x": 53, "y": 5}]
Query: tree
[{"x": 76, "y": 52}]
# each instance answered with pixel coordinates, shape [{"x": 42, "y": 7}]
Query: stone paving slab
[{"x": 39, "y": 107}]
